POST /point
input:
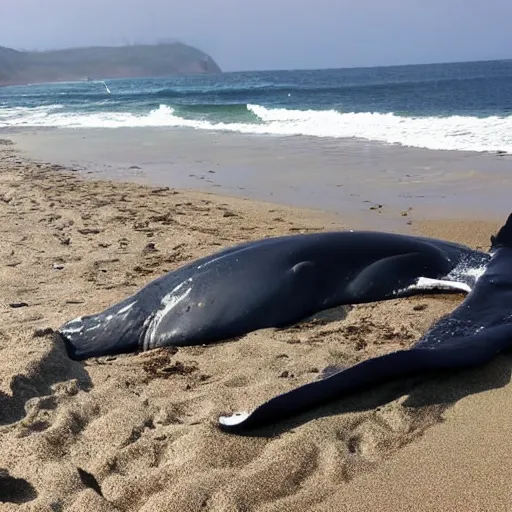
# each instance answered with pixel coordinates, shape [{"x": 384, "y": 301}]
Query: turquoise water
[{"x": 466, "y": 106}]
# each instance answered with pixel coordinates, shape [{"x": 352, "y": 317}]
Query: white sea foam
[{"x": 468, "y": 133}]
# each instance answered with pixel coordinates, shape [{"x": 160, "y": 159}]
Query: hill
[{"x": 19, "y": 67}]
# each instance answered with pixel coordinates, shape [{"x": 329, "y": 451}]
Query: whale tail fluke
[{"x": 504, "y": 236}]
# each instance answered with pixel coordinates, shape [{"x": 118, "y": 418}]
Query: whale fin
[
  {"x": 391, "y": 277},
  {"x": 302, "y": 276},
  {"x": 504, "y": 236}
]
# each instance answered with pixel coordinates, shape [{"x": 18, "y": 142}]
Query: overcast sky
[{"x": 274, "y": 34}]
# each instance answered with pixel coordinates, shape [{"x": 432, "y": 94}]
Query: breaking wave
[{"x": 455, "y": 132}]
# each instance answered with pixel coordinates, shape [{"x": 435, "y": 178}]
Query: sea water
[{"x": 463, "y": 106}]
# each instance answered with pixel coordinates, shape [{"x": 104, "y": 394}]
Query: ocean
[{"x": 463, "y": 106}]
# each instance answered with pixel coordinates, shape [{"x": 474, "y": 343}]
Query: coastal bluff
[{"x": 99, "y": 63}]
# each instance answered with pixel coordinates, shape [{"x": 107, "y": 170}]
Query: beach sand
[
  {"x": 138, "y": 432},
  {"x": 345, "y": 176}
]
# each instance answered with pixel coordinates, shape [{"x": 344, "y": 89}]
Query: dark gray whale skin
[
  {"x": 471, "y": 335},
  {"x": 272, "y": 282}
]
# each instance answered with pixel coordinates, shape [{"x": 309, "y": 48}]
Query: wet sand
[
  {"x": 137, "y": 432},
  {"x": 342, "y": 176}
]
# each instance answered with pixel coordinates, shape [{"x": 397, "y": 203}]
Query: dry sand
[{"x": 138, "y": 432}]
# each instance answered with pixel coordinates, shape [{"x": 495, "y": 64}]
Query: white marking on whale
[
  {"x": 453, "y": 281},
  {"x": 72, "y": 330},
  {"x": 426, "y": 283},
  {"x": 169, "y": 302},
  {"x": 127, "y": 308},
  {"x": 464, "y": 270},
  {"x": 234, "y": 419},
  {"x": 199, "y": 267},
  {"x": 70, "y": 327}
]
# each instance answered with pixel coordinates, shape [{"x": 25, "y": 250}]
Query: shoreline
[
  {"x": 142, "y": 426},
  {"x": 383, "y": 185}
]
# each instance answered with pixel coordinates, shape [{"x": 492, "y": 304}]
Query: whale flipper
[
  {"x": 459, "y": 353},
  {"x": 478, "y": 329},
  {"x": 391, "y": 277}
]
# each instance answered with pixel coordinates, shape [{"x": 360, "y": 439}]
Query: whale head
[{"x": 117, "y": 329}]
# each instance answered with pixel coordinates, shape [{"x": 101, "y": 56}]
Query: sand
[
  {"x": 346, "y": 176},
  {"x": 137, "y": 432}
]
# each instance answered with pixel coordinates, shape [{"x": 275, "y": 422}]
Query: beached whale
[
  {"x": 471, "y": 335},
  {"x": 272, "y": 282}
]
